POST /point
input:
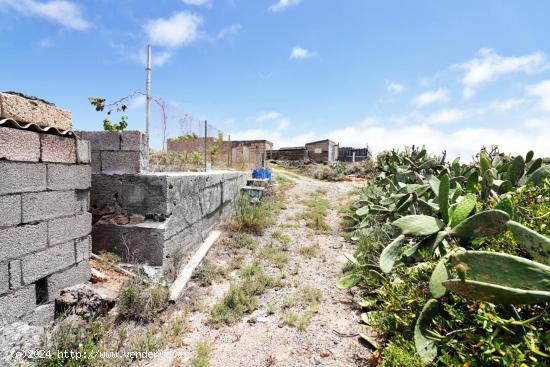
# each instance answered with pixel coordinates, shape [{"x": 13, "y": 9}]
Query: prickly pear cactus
[
  {"x": 536, "y": 244},
  {"x": 487, "y": 223},
  {"x": 499, "y": 278}
]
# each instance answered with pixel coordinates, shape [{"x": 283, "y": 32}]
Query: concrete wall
[
  {"x": 115, "y": 152},
  {"x": 288, "y": 154},
  {"x": 151, "y": 218},
  {"x": 44, "y": 221}
]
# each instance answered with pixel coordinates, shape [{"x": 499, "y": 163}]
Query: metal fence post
[{"x": 205, "y": 145}]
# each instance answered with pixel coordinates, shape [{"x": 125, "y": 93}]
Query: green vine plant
[{"x": 121, "y": 126}]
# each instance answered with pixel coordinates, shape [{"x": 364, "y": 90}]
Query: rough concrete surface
[
  {"x": 58, "y": 149},
  {"x": 16, "y": 241},
  {"x": 21, "y": 177},
  {"x": 19, "y": 145},
  {"x": 10, "y": 210},
  {"x": 34, "y": 111}
]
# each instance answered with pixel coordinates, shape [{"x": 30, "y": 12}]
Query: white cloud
[
  {"x": 180, "y": 29},
  {"x": 537, "y": 123},
  {"x": 542, "y": 91},
  {"x": 488, "y": 66},
  {"x": 283, "y": 124},
  {"x": 63, "y": 12},
  {"x": 230, "y": 31},
  {"x": 198, "y": 2},
  {"x": 45, "y": 43},
  {"x": 464, "y": 142},
  {"x": 268, "y": 116},
  {"x": 395, "y": 88},
  {"x": 447, "y": 116},
  {"x": 430, "y": 97},
  {"x": 283, "y": 5},
  {"x": 160, "y": 58},
  {"x": 301, "y": 53},
  {"x": 505, "y": 104}
]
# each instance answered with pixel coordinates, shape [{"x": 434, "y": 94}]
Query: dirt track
[{"x": 263, "y": 338}]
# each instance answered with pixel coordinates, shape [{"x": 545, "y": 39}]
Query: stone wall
[
  {"x": 153, "y": 218},
  {"x": 45, "y": 222}
]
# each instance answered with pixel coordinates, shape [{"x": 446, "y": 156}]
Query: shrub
[
  {"x": 251, "y": 217},
  {"x": 141, "y": 302}
]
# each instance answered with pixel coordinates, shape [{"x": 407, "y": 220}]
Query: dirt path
[{"x": 264, "y": 337}]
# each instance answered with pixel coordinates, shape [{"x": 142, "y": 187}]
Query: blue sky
[{"x": 453, "y": 75}]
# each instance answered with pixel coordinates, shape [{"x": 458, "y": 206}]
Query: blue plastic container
[{"x": 262, "y": 173}]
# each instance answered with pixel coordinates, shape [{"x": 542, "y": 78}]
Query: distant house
[
  {"x": 247, "y": 152},
  {"x": 349, "y": 154},
  {"x": 288, "y": 154},
  {"x": 322, "y": 151}
]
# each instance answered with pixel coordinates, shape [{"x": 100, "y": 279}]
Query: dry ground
[{"x": 264, "y": 337}]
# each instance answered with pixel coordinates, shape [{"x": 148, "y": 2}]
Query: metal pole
[
  {"x": 148, "y": 95},
  {"x": 205, "y": 145},
  {"x": 229, "y": 150}
]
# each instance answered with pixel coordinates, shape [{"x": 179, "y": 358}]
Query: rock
[
  {"x": 324, "y": 354},
  {"x": 137, "y": 219},
  {"x": 262, "y": 319},
  {"x": 121, "y": 219},
  {"x": 98, "y": 276},
  {"x": 85, "y": 301},
  {"x": 23, "y": 108}
]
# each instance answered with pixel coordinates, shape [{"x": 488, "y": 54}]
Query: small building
[
  {"x": 349, "y": 154},
  {"x": 238, "y": 152},
  {"x": 322, "y": 151}
]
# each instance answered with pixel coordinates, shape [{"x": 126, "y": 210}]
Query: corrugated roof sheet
[{"x": 39, "y": 129}]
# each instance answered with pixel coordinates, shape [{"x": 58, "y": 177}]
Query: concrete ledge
[
  {"x": 23, "y": 109},
  {"x": 180, "y": 209}
]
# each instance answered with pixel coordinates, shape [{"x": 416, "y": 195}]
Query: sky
[{"x": 451, "y": 75}]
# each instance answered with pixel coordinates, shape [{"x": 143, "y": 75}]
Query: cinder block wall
[
  {"x": 45, "y": 222},
  {"x": 115, "y": 152},
  {"x": 151, "y": 217},
  {"x": 164, "y": 215}
]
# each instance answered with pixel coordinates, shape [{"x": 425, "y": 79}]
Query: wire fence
[{"x": 192, "y": 144}]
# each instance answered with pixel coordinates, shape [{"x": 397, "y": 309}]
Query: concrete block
[
  {"x": 101, "y": 140},
  {"x": 73, "y": 177},
  {"x": 83, "y": 248},
  {"x": 41, "y": 315},
  {"x": 21, "y": 240},
  {"x": 4, "y": 277},
  {"x": 120, "y": 162},
  {"x": 48, "y": 261},
  {"x": 10, "y": 210},
  {"x": 141, "y": 243},
  {"x": 48, "y": 205},
  {"x": 16, "y": 304},
  {"x": 19, "y": 145},
  {"x": 21, "y": 177},
  {"x": 16, "y": 274},
  {"x": 83, "y": 151},
  {"x": 132, "y": 140},
  {"x": 33, "y": 110},
  {"x": 58, "y": 149},
  {"x": 129, "y": 194},
  {"x": 96, "y": 162},
  {"x": 64, "y": 229},
  {"x": 78, "y": 274}
]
